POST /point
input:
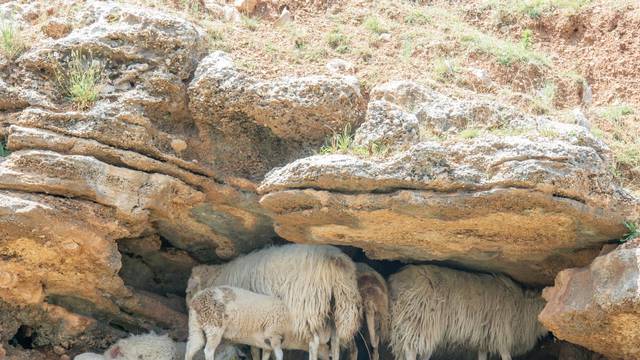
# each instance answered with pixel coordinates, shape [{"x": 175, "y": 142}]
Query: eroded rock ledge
[
  {"x": 598, "y": 306},
  {"x": 524, "y": 195}
]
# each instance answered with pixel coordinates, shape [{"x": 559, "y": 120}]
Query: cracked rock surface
[
  {"x": 527, "y": 196},
  {"x": 598, "y": 306}
]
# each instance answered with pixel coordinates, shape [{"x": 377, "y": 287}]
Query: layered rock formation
[
  {"x": 468, "y": 182},
  {"x": 598, "y": 306},
  {"x": 186, "y": 159}
]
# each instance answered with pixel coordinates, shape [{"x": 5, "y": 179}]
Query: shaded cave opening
[{"x": 25, "y": 337}]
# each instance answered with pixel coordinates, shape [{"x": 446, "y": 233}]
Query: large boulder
[
  {"x": 104, "y": 210},
  {"x": 255, "y": 124},
  {"x": 598, "y": 306},
  {"x": 466, "y": 181}
]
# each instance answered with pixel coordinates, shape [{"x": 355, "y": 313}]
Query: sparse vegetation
[
  {"x": 342, "y": 143},
  {"x": 506, "y": 52},
  {"x": 533, "y": 9},
  {"x": 339, "y": 142},
  {"x": 470, "y": 133},
  {"x": 250, "y": 23},
  {"x": 614, "y": 113},
  {"x": 445, "y": 69},
  {"x": 12, "y": 43},
  {"x": 338, "y": 41},
  {"x": 544, "y": 100},
  {"x": 416, "y": 17},
  {"x": 633, "y": 231},
  {"x": 373, "y": 24},
  {"x": 80, "y": 79},
  {"x": 526, "y": 38}
]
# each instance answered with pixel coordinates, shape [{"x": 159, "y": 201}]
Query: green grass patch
[
  {"x": 445, "y": 69},
  {"x": 12, "y": 43},
  {"x": 375, "y": 25},
  {"x": 633, "y": 231},
  {"x": 470, "y": 133},
  {"x": 526, "y": 38},
  {"x": 338, "y": 41},
  {"x": 505, "y": 52},
  {"x": 417, "y": 17},
  {"x": 81, "y": 79},
  {"x": 534, "y": 9},
  {"x": 543, "y": 101},
  {"x": 250, "y": 23},
  {"x": 615, "y": 113},
  {"x": 342, "y": 143}
]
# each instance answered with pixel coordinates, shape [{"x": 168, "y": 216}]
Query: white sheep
[
  {"x": 375, "y": 302},
  {"x": 89, "y": 356},
  {"x": 204, "y": 276},
  {"x": 434, "y": 307},
  {"x": 146, "y": 347},
  {"x": 239, "y": 316},
  {"x": 142, "y": 347},
  {"x": 318, "y": 284}
]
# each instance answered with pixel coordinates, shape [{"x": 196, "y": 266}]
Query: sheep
[
  {"x": 434, "y": 307},
  {"x": 89, "y": 356},
  {"x": 375, "y": 301},
  {"x": 142, "y": 347},
  {"x": 318, "y": 284},
  {"x": 238, "y": 315},
  {"x": 145, "y": 347},
  {"x": 203, "y": 276}
]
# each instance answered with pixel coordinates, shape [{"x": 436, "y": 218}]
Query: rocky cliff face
[{"x": 185, "y": 158}]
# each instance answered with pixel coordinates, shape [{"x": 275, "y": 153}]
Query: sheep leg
[
  {"x": 313, "y": 347},
  {"x": 335, "y": 344},
  {"x": 214, "y": 336},
  {"x": 373, "y": 336},
  {"x": 255, "y": 353},
  {"x": 266, "y": 354},
  {"x": 353, "y": 350},
  {"x": 505, "y": 355},
  {"x": 410, "y": 354},
  {"x": 482, "y": 355},
  {"x": 276, "y": 345},
  {"x": 196, "y": 337}
]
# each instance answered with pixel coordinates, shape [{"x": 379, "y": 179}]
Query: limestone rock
[
  {"x": 246, "y": 6},
  {"x": 284, "y": 18},
  {"x": 598, "y": 306},
  {"x": 131, "y": 167},
  {"x": 524, "y": 195},
  {"x": 56, "y": 29},
  {"x": 261, "y": 124}
]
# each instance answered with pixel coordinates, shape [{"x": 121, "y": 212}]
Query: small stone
[
  {"x": 385, "y": 37},
  {"x": 480, "y": 76},
  {"x": 178, "y": 145},
  {"x": 580, "y": 119},
  {"x": 245, "y": 6},
  {"x": 6, "y": 279},
  {"x": 214, "y": 9},
  {"x": 232, "y": 14},
  {"x": 284, "y": 18},
  {"x": 65, "y": 357},
  {"x": 56, "y": 29},
  {"x": 339, "y": 66},
  {"x": 59, "y": 350}
]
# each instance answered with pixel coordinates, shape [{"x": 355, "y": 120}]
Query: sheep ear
[{"x": 115, "y": 352}]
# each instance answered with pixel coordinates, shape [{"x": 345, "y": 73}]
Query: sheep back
[
  {"x": 316, "y": 282},
  {"x": 432, "y": 307},
  {"x": 240, "y": 312},
  {"x": 375, "y": 296}
]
